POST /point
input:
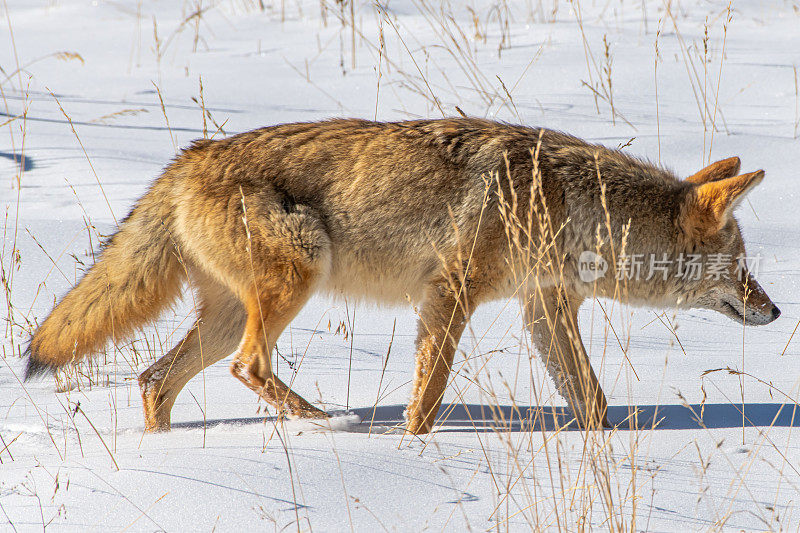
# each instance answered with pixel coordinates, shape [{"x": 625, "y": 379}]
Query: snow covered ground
[{"x": 95, "y": 97}]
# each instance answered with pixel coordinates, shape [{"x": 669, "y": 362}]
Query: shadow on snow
[{"x": 483, "y": 418}]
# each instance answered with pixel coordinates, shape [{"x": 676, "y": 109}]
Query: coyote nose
[{"x": 775, "y": 312}]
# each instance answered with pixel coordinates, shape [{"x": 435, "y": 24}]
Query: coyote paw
[
  {"x": 305, "y": 411},
  {"x": 416, "y": 423}
]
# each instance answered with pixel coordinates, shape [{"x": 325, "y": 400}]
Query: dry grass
[{"x": 598, "y": 480}]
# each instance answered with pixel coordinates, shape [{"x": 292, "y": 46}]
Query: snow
[{"x": 79, "y": 460}]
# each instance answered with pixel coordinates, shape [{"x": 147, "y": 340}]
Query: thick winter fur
[
  {"x": 449, "y": 213},
  {"x": 137, "y": 275}
]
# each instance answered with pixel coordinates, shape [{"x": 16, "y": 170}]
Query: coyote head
[
  {"x": 711, "y": 232},
  {"x": 683, "y": 247}
]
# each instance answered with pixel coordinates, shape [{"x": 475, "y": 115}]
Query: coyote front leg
[
  {"x": 552, "y": 317},
  {"x": 441, "y": 323}
]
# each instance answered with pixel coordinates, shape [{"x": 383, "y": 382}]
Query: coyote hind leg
[
  {"x": 214, "y": 336},
  {"x": 289, "y": 253},
  {"x": 269, "y": 311}
]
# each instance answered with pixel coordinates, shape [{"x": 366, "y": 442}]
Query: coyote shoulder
[{"x": 448, "y": 213}]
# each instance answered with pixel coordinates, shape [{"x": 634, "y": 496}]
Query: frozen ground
[{"x": 225, "y": 466}]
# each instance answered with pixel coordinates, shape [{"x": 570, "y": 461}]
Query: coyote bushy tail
[{"x": 137, "y": 275}]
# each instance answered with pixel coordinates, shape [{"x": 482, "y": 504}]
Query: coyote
[{"x": 446, "y": 214}]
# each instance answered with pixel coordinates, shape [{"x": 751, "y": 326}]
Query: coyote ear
[
  {"x": 710, "y": 205},
  {"x": 716, "y": 171}
]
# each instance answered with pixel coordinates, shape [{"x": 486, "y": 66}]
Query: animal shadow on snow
[
  {"x": 483, "y": 418},
  {"x": 488, "y": 418}
]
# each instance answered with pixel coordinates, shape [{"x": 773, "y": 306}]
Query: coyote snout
[
  {"x": 442, "y": 212},
  {"x": 751, "y": 306}
]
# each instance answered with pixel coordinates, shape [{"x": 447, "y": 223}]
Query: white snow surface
[{"x": 724, "y": 83}]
